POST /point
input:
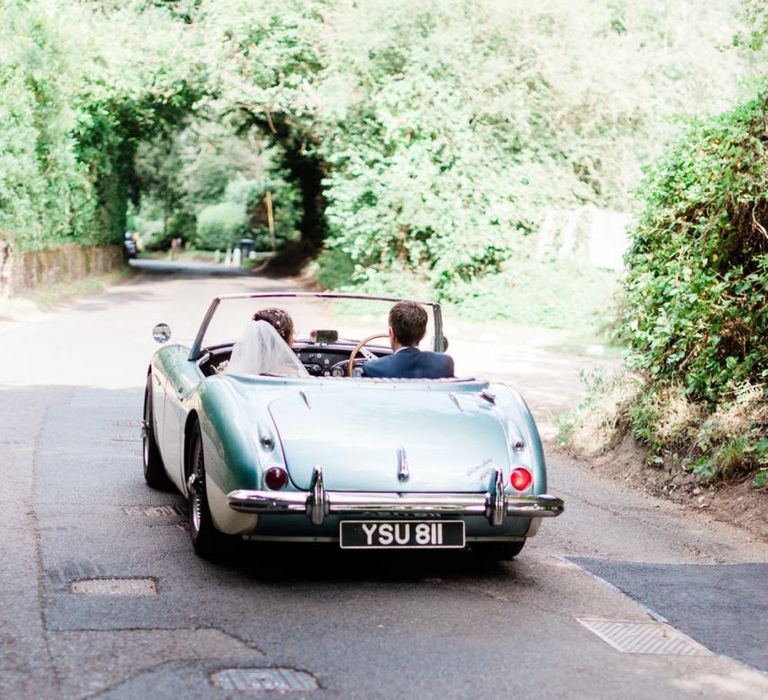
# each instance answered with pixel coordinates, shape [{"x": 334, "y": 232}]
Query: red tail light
[
  {"x": 275, "y": 478},
  {"x": 520, "y": 478}
]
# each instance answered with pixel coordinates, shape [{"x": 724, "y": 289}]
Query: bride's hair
[{"x": 280, "y": 320}]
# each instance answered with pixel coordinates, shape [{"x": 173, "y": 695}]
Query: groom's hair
[
  {"x": 408, "y": 321},
  {"x": 280, "y": 320}
]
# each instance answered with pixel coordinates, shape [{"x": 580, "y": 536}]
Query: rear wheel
[
  {"x": 498, "y": 551},
  {"x": 207, "y": 541},
  {"x": 154, "y": 470}
]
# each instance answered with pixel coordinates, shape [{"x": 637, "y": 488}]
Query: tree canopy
[{"x": 428, "y": 137}]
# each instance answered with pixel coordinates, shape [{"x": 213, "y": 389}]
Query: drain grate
[
  {"x": 155, "y": 511},
  {"x": 281, "y": 680},
  {"x": 644, "y": 638},
  {"x": 115, "y": 586}
]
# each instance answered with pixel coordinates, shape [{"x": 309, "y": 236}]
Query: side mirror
[
  {"x": 445, "y": 343},
  {"x": 161, "y": 333}
]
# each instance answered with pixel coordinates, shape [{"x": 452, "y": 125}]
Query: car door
[{"x": 183, "y": 378}]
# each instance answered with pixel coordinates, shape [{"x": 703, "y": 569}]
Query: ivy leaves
[
  {"x": 697, "y": 290},
  {"x": 697, "y": 299}
]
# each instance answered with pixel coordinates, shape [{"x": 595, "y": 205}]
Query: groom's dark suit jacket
[{"x": 410, "y": 363}]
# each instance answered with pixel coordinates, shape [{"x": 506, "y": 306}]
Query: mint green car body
[{"x": 462, "y": 438}]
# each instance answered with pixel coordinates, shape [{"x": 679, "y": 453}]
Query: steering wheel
[{"x": 360, "y": 348}]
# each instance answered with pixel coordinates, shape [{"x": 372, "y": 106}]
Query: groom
[{"x": 407, "y": 326}]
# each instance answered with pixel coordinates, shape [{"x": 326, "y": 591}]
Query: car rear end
[{"x": 369, "y": 464}]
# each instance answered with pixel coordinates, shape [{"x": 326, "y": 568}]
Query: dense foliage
[
  {"x": 698, "y": 284},
  {"x": 440, "y": 132},
  {"x": 695, "y": 391},
  {"x": 73, "y": 112},
  {"x": 696, "y": 314},
  {"x": 45, "y": 191},
  {"x": 421, "y": 138}
]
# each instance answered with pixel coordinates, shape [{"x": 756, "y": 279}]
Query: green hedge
[
  {"x": 697, "y": 302},
  {"x": 47, "y": 195},
  {"x": 73, "y": 111},
  {"x": 697, "y": 290}
]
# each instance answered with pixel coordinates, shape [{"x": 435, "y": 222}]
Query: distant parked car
[
  {"x": 365, "y": 463},
  {"x": 131, "y": 245}
]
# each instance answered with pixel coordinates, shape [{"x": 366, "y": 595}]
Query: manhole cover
[
  {"x": 115, "y": 586},
  {"x": 279, "y": 680},
  {"x": 644, "y": 638},
  {"x": 154, "y": 511}
]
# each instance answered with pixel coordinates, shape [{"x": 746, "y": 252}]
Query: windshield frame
[{"x": 197, "y": 350}]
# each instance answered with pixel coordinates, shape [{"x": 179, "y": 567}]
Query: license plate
[{"x": 401, "y": 534}]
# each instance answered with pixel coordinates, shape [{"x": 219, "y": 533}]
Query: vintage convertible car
[{"x": 334, "y": 456}]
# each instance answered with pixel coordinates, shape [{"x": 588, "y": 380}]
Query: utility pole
[{"x": 271, "y": 221}]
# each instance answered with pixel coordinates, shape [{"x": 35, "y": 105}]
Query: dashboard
[
  {"x": 320, "y": 359},
  {"x": 323, "y": 360}
]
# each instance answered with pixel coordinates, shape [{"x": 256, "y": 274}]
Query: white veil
[{"x": 262, "y": 351}]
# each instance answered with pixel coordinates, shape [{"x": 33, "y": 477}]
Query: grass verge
[
  {"x": 690, "y": 440},
  {"x": 562, "y": 295}
]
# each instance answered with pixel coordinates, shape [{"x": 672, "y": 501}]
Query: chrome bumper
[{"x": 495, "y": 504}]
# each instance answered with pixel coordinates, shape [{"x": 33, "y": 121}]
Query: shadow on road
[{"x": 318, "y": 563}]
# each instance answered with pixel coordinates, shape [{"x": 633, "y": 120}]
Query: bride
[{"x": 264, "y": 350}]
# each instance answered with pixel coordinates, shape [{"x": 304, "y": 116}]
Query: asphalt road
[{"x": 74, "y": 508}]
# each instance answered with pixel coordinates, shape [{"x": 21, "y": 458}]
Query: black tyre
[
  {"x": 207, "y": 541},
  {"x": 498, "y": 551},
  {"x": 154, "y": 470}
]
